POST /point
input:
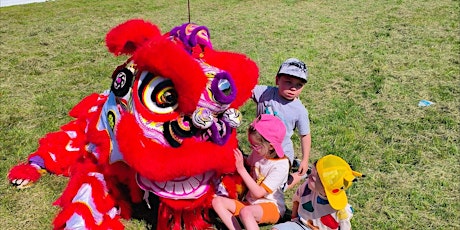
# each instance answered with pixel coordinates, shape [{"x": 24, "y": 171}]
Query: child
[
  {"x": 264, "y": 201},
  {"x": 283, "y": 101},
  {"x": 321, "y": 203}
]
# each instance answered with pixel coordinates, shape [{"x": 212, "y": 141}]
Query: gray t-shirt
[{"x": 292, "y": 113}]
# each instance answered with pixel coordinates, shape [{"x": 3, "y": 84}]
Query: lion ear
[{"x": 127, "y": 37}]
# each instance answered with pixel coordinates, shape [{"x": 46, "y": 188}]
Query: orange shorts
[{"x": 270, "y": 212}]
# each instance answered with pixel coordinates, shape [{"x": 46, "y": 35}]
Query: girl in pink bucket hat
[{"x": 264, "y": 201}]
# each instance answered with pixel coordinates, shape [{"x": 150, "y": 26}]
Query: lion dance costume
[{"x": 166, "y": 127}]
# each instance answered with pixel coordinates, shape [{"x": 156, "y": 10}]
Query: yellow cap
[{"x": 336, "y": 176}]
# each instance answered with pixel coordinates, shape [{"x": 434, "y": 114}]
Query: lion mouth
[{"x": 180, "y": 188}]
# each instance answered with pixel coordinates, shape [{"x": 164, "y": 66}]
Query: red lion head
[{"x": 179, "y": 100}]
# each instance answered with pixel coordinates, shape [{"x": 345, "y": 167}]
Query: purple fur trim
[
  {"x": 178, "y": 31},
  {"x": 183, "y": 34},
  {"x": 38, "y": 161},
  {"x": 193, "y": 40},
  {"x": 216, "y": 137},
  {"x": 219, "y": 95}
]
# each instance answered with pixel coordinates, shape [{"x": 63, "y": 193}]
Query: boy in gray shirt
[{"x": 283, "y": 101}]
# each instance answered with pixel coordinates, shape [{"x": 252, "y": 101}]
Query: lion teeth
[
  {"x": 194, "y": 182},
  {"x": 179, "y": 188},
  {"x": 169, "y": 186}
]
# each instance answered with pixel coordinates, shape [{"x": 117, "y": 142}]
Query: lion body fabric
[{"x": 166, "y": 128}]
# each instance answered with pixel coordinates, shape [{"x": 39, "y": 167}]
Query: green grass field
[{"x": 370, "y": 64}]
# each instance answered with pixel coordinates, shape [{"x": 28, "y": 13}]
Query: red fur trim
[
  {"x": 154, "y": 160},
  {"x": 79, "y": 208},
  {"x": 120, "y": 173},
  {"x": 101, "y": 198},
  {"x": 243, "y": 70},
  {"x": 126, "y": 175},
  {"x": 168, "y": 218},
  {"x": 111, "y": 223},
  {"x": 24, "y": 171},
  {"x": 234, "y": 185},
  {"x": 84, "y": 105},
  {"x": 130, "y": 35},
  {"x": 100, "y": 138},
  {"x": 125, "y": 209},
  {"x": 78, "y": 128},
  {"x": 101, "y": 141},
  {"x": 85, "y": 212},
  {"x": 52, "y": 149},
  {"x": 202, "y": 202},
  {"x": 161, "y": 56},
  {"x": 175, "y": 213},
  {"x": 193, "y": 219}
]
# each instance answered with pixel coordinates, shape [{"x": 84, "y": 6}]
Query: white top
[
  {"x": 315, "y": 209},
  {"x": 272, "y": 174}
]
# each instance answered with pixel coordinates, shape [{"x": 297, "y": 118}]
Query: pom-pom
[
  {"x": 202, "y": 118},
  {"x": 233, "y": 117}
]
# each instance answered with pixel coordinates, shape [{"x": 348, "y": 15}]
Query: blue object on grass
[{"x": 424, "y": 103}]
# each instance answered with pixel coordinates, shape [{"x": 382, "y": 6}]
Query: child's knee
[
  {"x": 245, "y": 212},
  {"x": 216, "y": 201}
]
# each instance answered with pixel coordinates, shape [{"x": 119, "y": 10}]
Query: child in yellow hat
[{"x": 321, "y": 202}]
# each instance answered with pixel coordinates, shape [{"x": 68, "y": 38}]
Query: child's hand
[
  {"x": 303, "y": 167},
  {"x": 239, "y": 160}
]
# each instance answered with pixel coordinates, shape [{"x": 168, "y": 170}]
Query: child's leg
[
  {"x": 250, "y": 216},
  {"x": 264, "y": 213},
  {"x": 225, "y": 209}
]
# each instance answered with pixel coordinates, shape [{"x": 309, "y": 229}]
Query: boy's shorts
[
  {"x": 270, "y": 212},
  {"x": 291, "y": 225}
]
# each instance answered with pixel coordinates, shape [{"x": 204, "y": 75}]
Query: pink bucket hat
[{"x": 272, "y": 129}]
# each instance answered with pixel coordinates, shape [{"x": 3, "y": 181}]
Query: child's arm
[
  {"x": 305, "y": 142},
  {"x": 295, "y": 207},
  {"x": 344, "y": 216},
  {"x": 256, "y": 190}
]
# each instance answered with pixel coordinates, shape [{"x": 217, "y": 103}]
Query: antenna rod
[{"x": 188, "y": 3}]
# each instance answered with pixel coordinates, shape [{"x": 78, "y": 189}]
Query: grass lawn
[{"x": 370, "y": 63}]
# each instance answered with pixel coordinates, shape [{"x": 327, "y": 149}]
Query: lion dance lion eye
[
  {"x": 157, "y": 93},
  {"x": 166, "y": 97}
]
